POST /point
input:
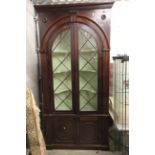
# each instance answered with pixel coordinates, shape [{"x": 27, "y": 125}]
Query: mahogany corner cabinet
[{"x": 74, "y": 70}]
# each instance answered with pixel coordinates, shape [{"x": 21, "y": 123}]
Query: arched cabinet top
[{"x": 65, "y": 20}]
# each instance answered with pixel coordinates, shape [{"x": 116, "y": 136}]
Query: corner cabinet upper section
[{"x": 97, "y": 14}]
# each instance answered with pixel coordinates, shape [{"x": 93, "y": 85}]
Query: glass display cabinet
[
  {"x": 74, "y": 72},
  {"x": 119, "y": 102}
]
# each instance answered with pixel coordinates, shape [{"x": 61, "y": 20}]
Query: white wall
[
  {"x": 120, "y": 27},
  {"x": 31, "y": 55}
]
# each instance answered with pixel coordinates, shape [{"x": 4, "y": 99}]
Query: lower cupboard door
[{"x": 76, "y": 132}]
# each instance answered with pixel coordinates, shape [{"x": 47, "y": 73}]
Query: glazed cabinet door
[
  {"x": 76, "y": 70},
  {"x": 62, "y": 71},
  {"x": 88, "y": 69}
]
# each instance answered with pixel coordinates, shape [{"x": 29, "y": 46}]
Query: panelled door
[{"x": 75, "y": 68}]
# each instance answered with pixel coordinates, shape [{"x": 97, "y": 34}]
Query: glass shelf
[
  {"x": 62, "y": 91},
  {"x": 60, "y": 52},
  {"x": 86, "y": 51},
  {"x": 88, "y": 71},
  {"x": 61, "y": 72},
  {"x": 88, "y": 91}
]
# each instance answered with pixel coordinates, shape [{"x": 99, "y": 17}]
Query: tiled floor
[{"x": 80, "y": 152}]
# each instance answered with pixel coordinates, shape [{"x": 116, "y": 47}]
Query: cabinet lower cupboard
[{"x": 74, "y": 64}]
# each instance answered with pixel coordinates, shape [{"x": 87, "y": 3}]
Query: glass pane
[
  {"x": 61, "y": 59},
  {"x": 88, "y": 60}
]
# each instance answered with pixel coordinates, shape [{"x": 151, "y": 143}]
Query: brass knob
[
  {"x": 64, "y": 127},
  {"x": 103, "y": 17}
]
